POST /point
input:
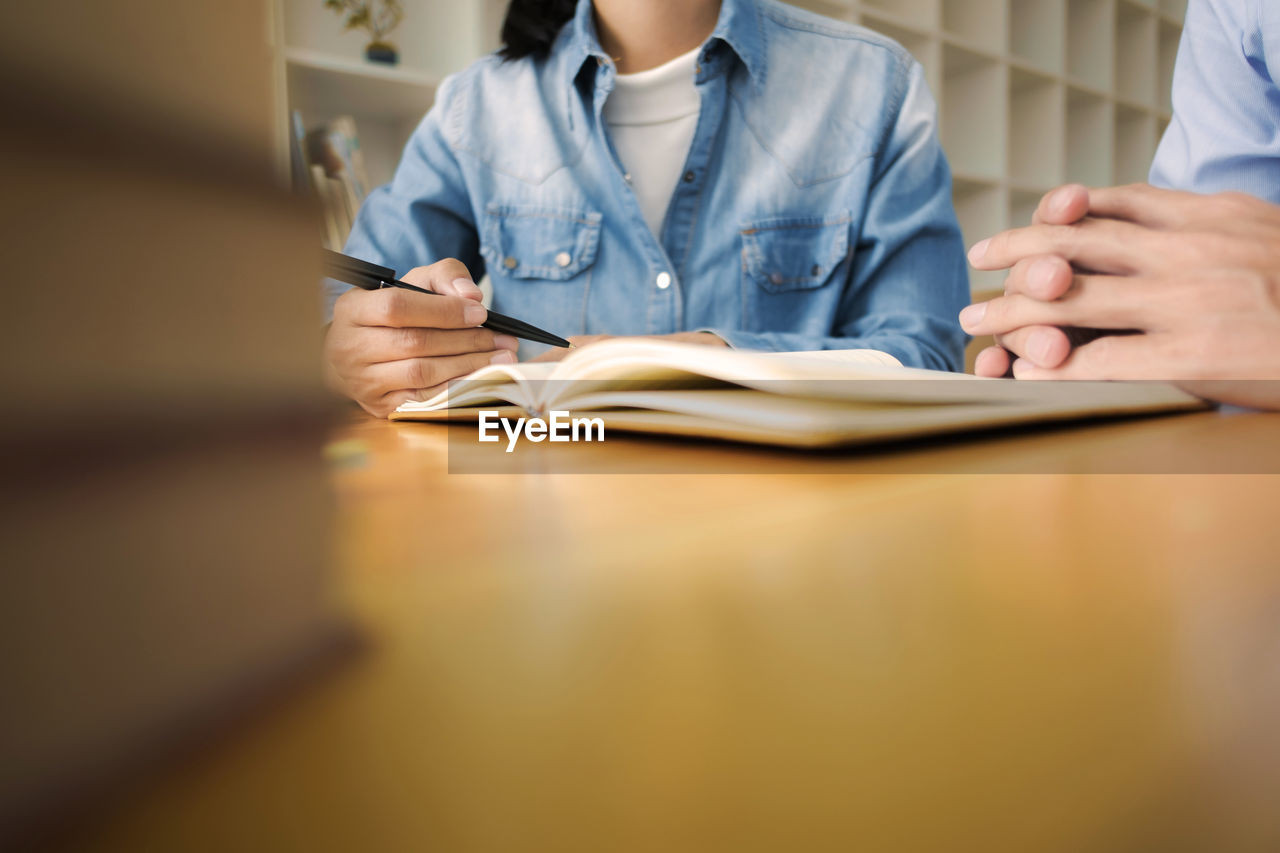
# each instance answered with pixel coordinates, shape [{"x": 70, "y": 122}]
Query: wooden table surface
[{"x": 891, "y": 650}]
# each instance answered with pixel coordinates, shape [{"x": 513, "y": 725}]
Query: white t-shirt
[{"x": 652, "y": 116}]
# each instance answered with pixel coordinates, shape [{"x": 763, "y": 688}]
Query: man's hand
[
  {"x": 1044, "y": 278},
  {"x": 391, "y": 345},
  {"x": 579, "y": 341},
  {"x": 1192, "y": 282}
]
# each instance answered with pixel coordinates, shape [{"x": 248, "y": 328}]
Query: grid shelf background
[{"x": 1034, "y": 93}]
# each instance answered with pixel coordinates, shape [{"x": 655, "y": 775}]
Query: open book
[{"x": 801, "y": 399}]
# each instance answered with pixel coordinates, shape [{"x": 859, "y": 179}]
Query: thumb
[{"x": 467, "y": 289}]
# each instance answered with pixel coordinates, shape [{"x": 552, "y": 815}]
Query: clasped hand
[{"x": 1138, "y": 283}]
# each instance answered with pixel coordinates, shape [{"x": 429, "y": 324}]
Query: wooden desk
[{"x": 872, "y": 659}]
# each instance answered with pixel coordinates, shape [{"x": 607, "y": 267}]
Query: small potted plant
[{"x": 376, "y": 17}]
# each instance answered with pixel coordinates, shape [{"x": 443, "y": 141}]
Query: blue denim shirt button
[
  {"x": 664, "y": 281},
  {"x": 776, "y": 277}
]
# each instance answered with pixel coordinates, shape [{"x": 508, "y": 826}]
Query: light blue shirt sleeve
[{"x": 1225, "y": 132}]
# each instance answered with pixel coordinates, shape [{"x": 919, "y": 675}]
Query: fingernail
[
  {"x": 464, "y": 285},
  {"x": 1042, "y": 272},
  {"x": 1024, "y": 369},
  {"x": 978, "y": 252},
  {"x": 1060, "y": 200},
  {"x": 504, "y": 357},
  {"x": 973, "y": 315},
  {"x": 1038, "y": 345},
  {"x": 474, "y": 314},
  {"x": 505, "y": 342}
]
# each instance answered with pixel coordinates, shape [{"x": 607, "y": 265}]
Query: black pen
[{"x": 369, "y": 276}]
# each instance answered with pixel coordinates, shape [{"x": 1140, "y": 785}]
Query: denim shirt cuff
[
  {"x": 898, "y": 348},
  {"x": 737, "y": 339},
  {"x": 761, "y": 341}
]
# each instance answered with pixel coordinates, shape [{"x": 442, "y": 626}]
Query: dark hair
[{"x": 531, "y": 27}]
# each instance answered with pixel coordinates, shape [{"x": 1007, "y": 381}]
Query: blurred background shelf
[
  {"x": 387, "y": 102},
  {"x": 1037, "y": 130},
  {"x": 1035, "y": 33},
  {"x": 1034, "y": 93},
  {"x": 320, "y": 81},
  {"x": 1136, "y": 63},
  {"x": 322, "y": 73},
  {"x": 1031, "y": 93}
]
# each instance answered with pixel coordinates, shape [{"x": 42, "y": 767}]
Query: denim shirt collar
[{"x": 738, "y": 27}]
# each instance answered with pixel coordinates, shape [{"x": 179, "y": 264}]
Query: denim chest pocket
[
  {"x": 795, "y": 253},
  {"x": 551, "y": 244}
]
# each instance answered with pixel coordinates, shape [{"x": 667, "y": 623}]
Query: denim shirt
[{"x": 814, "y": 209}]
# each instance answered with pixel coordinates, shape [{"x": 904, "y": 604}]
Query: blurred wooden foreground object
[
  {"x": 163, "y": 506},
  {"x": 829, "y": 652}
]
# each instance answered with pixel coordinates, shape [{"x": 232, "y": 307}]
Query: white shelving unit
[
  {"x": 322, "y": 72},
  {"x": 1032, "y": 93},
  {"x": 386, "y": 101}
]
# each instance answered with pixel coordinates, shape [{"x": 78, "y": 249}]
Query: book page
[
  {"x": 495, "y": 383},
  {"x": 830, "y": 375},
  {"x": 745, "y": 415},
  {"x": 642, "y": 358},
  {"x": 626, "y": 362},
  {"x": 842, "y": 356}
]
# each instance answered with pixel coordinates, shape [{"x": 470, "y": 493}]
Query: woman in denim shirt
[{"x": 802, "y": 203}]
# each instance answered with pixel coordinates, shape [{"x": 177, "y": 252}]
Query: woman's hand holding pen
[
  {"x": 1192, "y": 282},
  {"x": 391, "y": 345}
]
